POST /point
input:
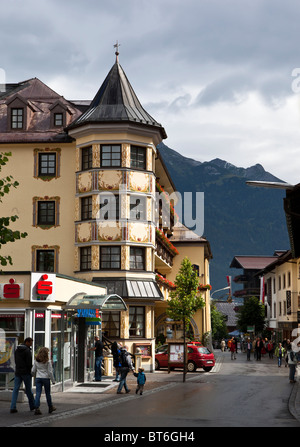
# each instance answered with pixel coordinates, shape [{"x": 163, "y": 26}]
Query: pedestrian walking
[
  {"x": 126, "y": 366},
  {"x": 141, "y": 380},
  {"x": 235, "y": 343},
  {"x": 23, "y": 362},
  {"x": 232, "y": 350},
  {"x": 287, "y": 347},
  {"x": 43, "y": 372},
  {"x": 258, "y": 348},
  {"x": 98, "y": 349},
  {"x": 270, "y": 348},
  {"x": 229, "y": 344},
  {"x": 292, "y": 362},
  {"x": 223, "y": 344},
  {"x": 249, "y": 348},
  {"x": 279, "y": 353},
  {"x": 116, "y": 350}
]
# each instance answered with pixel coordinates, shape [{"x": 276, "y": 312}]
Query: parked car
[{"x": 198, "y": 357}]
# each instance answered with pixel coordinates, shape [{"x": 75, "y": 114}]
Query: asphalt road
[{"x": 237, "y": 394}]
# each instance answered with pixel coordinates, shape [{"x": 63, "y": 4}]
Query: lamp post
[{"x": 219, "y": 290}]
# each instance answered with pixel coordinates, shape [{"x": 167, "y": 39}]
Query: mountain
[{"x": 238, "y": 219}]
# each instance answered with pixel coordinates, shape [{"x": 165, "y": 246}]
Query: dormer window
[
  {"x": 60, "y": 114},
  {"x": 18, "y": 113},
  {"x": 58, "y": 119},
  {"x": 17, "y": 118}
]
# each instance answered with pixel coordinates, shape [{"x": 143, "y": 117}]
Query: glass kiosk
[{"x": 86, "y": 322}]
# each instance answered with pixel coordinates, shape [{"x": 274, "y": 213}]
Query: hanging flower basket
[
  {"x": 204, "y": 287},
  {"x": 166, "y": 241},
  {"x": 159, "y": 278}
]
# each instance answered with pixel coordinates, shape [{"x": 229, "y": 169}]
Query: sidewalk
[{"x": 83, "y": 398}]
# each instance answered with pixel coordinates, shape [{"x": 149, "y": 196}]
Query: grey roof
[
  {"x": 227, "y": 309},
  {"x": 116, "y": 101},
  {"x": 40, "y": 99}
]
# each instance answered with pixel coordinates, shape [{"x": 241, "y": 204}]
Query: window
[
  {"x": 45, "y": 260},
  {"x": 85, "y": 258},
  {"x": 46, "y": 213},
  {"x": 137, "y": 258},
  {"x": 111, "y": 324},
  {"x": 39, "y": 329},
  {"x": 138, "y": 208},
  {"x": 86, "y": 208},
  {"x": 110, "y": 155},
  {"x": 47, "y": 164},
  {"x": 58, "y": 119},
  {"x": 109, "y": 207},
  {"x": 136, "y": 321},
  {"x": 87, "y": 158},
  {"x": 110, "y": 258},
  {"x": 17, "y": 118},
  {"x": 138, "y": 157}
]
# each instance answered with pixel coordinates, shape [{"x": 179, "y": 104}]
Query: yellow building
[
  {"x": 89, "y": 176},
  {"x": 197, "y": 250}
]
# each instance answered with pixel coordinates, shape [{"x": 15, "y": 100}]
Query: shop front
[{"x": 32, "y": 305}]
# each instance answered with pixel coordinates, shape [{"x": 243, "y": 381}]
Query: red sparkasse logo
[{"x": 44, "y": 287}]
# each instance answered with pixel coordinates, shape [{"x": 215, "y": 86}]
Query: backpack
[{"x": 123, "y": 359}]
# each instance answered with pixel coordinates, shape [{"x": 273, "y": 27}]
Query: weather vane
[{"x": 117, "y": 45}]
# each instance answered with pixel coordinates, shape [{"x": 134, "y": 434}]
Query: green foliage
[
  {"x": 185, "y": 300},
  {"x": 252, "y": 313},
  {"x": 6, "y": 234},
  {"x": 218, "y": 326}
]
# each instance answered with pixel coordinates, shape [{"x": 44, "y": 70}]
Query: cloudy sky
[{"x": 222, "y": 76}]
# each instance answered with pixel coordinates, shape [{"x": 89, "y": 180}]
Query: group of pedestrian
[
  {"x": 283, "y": 352},
  {"x": 24, "y": 371},
  {"x": 123, "y": 364}
]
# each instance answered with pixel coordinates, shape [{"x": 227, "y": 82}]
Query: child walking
[
  {"x": 141, "y": 380},
  {"x": 42, "y": 368}
]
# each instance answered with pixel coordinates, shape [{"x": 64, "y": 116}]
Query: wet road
[{"x": 237, "y": 394}]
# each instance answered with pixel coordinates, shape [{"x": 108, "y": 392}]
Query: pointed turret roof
[{"x": 116, "y": 101}]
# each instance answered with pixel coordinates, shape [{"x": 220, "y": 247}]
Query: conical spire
[{"x": 116, "y": 101}]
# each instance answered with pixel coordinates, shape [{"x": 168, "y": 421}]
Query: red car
[{"x": 198, "y": 357}]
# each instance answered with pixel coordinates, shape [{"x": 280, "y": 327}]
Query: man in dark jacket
[
  {"x": 126, "y": 366},
  {"x": 23, "y": 361},
  {"x": 98, "y": 348}
]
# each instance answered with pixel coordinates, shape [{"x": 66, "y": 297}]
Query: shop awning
[
  {"x": 132, "y": 289},
  {"x": 101, "y": 302}
]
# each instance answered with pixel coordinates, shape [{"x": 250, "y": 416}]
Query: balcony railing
[{"x": 164, "y": 252}]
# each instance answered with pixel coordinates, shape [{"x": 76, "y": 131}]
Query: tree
[
  {"x": 252, "y": 313},
  {"x": 7, "y": 234},
  {"x": 218, "y": 326},
  {"x": 185, "y": 299}
]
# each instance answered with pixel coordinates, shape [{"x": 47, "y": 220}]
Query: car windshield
[
  {"x": 161, "y": 349},
  {"x": 203, "y": 350}
]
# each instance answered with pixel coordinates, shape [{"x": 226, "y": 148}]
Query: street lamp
[{"x": 219, "y": 290}]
